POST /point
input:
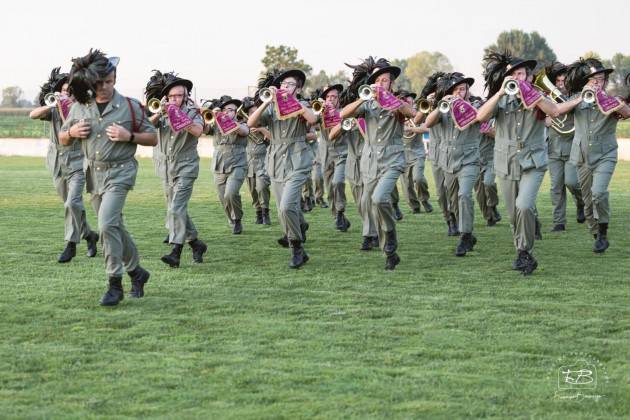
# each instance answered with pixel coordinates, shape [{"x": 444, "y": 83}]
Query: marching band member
[
  {"x": 594, "y": 149},
  {"x": 413, "y": 181},
  {"x": 289, "y": 158},
  {"x": 66, "y": 165},
  {"x": 178, "y": 161},
  {"x": 230, "y": 159},
  {"x": 257, "y": 179},
  {"x": 110, "y": 126},
  {"x": 383, "y": 158},
  {"x": 458, "y": 154},
  {"x": 520, "y": 155}
]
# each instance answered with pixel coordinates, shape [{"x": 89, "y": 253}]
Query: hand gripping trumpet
[
  {"x": 511, "y": 87},
  {"x": 589, "y": 96},
  {"x": 265, "y": 95}
]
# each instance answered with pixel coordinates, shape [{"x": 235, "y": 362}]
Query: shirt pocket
[{"x": 501, "y": 160}]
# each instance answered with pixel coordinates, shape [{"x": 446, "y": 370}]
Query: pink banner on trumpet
[
  {"x": 463, "y": 113},
  {"x": 286, "y": 105},
  {"x": 362, "y": 126},
  {"x": 529, "y": 95},
  {"x": 331, "y": 118},
  {"x": 387, "y": 100},
  {"x": 226, "y": 124},
  {"x": 63, "y": 105},
  {"x": 177, "y": 118},
  {"x": 607, "y": 104}
]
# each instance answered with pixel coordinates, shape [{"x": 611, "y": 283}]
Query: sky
[{"x": 219, "y": 45}]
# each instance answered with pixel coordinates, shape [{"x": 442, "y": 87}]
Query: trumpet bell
[
  {"x": 444, "y": 107},
  {"x": 424, "y": 106},
  {"x": 265, "y": 95},
  {"x": 154, "y": 105},
  {"x": 588, "y": 96},
  {"x": 511, "y": 87},
  {"x": 208, "y": 116},
  {"x": 317, "y": 106},
  {"x": 366, "y": 92},
  {"x": 240, "y": 112},
  {"x": 347, "y": 124},
  {"x": 50, "y": 99}
]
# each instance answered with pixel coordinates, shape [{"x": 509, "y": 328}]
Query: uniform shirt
[
  {"x": 256, "y": 153},
  {"x": 595, "y": 137},
  {"x": 332, "y": 150},
  {"x": 560, "y": 144},
  {"x": 458, "y": 147},
  {"x": 98, "y": 147},
  {"x": 519, "y": 142},
  {"x": 355, "y": 142},
  {"x": 229, "y": 150},
  {"x": 61, "y": 159},
  {"x": 414, "y": 149},
  {"x": 288, "y": 151},
  {"x": 179, "y": 149}
]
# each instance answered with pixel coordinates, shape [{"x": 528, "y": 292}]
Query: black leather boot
[
  {"x": 529, "y": 263},
  {"x": 114, "y": 294},
  {"x": 91, "y": 240},
  {"x": 538, "y": 231},
  {"x": 391, "y": 242},
  {"x": 284, "y": 242},
  {"x": 427, "y": 207},
  {"x": 496, "y": 214},
  {"x": 198, "y": 248},
  {"x": 558, "y": 228},
  {"x": 304, "y": 227},
  {"x": 69, "y": 252},
  {"x": 299, "y": 255},
  {"x": 392, "y": 261},
  {"x": 259, "y": 217},
  {"x": 601, "y": 242},
  {"x": 453, "y": 230},
  {"x": 465, "y": 244},
  {"x": 580, "y": 216},
  {"x": 265, "y": 217},
  {"x": 339, "y": 221},
  {"x": 139, "y": 277},
  {"x": 237, "y": 229},
  {"x": 173, "y": 258},
  {"x": 367, "y": 244}
]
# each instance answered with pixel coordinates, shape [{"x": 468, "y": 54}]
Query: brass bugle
[
  {"x": 240, "y": 112},
  {"x": 445, "y": 106},
  {"x": 318, "y": 106},
  {"x": 423, "y": 105},
  {"x": 208, "y": 115},
  {"x": 154, "y": 105},
  {"x": 366, "y": 92},
  {"x": 511, "y": 87},
  {"x": 348, "y": 124},
  {"x": 588, "y": 96},
  {"x": 265, "y": 95},
  {"x": 50, "y": 99}
]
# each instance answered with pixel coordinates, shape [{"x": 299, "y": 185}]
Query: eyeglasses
[
  {"x": 229, "y": 110},
  {"x": 175, "y": 96},
  {"x": 288, "y": 84}
]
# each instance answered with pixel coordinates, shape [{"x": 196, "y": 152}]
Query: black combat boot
[
  {"x": 538, "y": 230},
  {"x": 397, "y": 213},
  {"x": 173, "y": 258},
  {"x": 114, "y": 294},
  {"x": 139, "y": 277},
  {"x": 300, "y": 257},
  {"x": 391, "y": 242},
  {"x": 237, "y": 229},
  {"x": 601, "y": 242},
  {"x": 91, "y": 240},
  {"x": 427, "y": 207},
  {"x": 558, "y": 228},
  {"x": 580, "y": 216},
  {"x": 198, "y": 248},
  {"x": 367, "y": 244},
  {"x": 259, "y": 217},
  {"x": 284, "y": 242},
  {"x": 391, "y": 262},
  {"x": 69, "y": 252},
  {"x": 265, "y": 217}
]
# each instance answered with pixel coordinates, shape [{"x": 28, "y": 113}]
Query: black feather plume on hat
[
  {"x": 85, "y": 72},
  {"x": 360, "y": 74},
  {"x": 431, "y": 85},
  {"x": 52, "y": 84},
  {"x": 154, "y": 86},
  {"x": 495, "y": 70},
  {"x": 578, "y": 73}
]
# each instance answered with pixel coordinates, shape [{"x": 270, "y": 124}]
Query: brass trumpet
[
  {"x": 445, "y": 106},
  {"x": 240, "y": 112},
  {"x": 348, "y": 124},
  {"x": 208, "y": 115},
  {"x": 366, "y": 92},
  {"x": 154, "y": 105},
  {"x": 511, "y": 87},
  {"x": 318, "y": 106},
  {"x": 50, "y": 99},
  {"x": 543, "y": 83},
  {"x": 265, "y": 95},
  {"x": 423, "y": 105},
  {"x": 589, "y": 96}
]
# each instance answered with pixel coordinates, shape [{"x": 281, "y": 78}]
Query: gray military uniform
[
  {"x": 435, "y": 137},
  {"x": 110, "y": 170},
  {"x": 66, "y": 166},
  {"x": 257, "y": 179},
  {"x": 333, "y": 155},
  {"x": 562, "y": 172},
  {"x": 486, "y": 187},
  {"x": 459, "y": 159},
  {"x": 356, "y": 143},
  {"x": 289, "y": 164},
  {"x": 230, "y": 169},
  {"x": 178, "y": 167},
  {"x": 520, "y": 161},
  {"x": 413, "y": 182},
  {"x": 594, "y": 152},
  {"x": 382, "y": 162}
]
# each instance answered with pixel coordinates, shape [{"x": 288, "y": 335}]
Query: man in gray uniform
[
  {"x": 178, "y": 167},
  {"x": 486, "y": 187},
  {"x": 563, "y": 174},
  {"x": 66, "y": 165},
  {"x": 110, "y": 127}
]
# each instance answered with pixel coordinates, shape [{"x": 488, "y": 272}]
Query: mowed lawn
[{"x": 243, "y": 336}]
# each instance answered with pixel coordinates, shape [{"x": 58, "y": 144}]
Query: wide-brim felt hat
[
  {"x": 458, "y": 81},
  {"x": 295, "y": 73},
  {"x": 233, "y": 101},
  {"x": 516, "y": 63},
  {"x": 338, "y": 87},
  {"x": 177, "y": 81},
  {"x": 393, "y": 70}
]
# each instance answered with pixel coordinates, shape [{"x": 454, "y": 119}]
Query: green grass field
[{"x": 242, "y": 336}]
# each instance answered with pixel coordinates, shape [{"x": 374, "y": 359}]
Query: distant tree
[
  {"x": 283, "y": 57},
  {"x": 322, "y": 79},
  {"x": 11, "y": 96},
  {"x": 525, "y": 45},
  {"x": 421, "y": 65},
  {"x": 621, "y": 64},
  {"x": 403, "y": 81}
]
